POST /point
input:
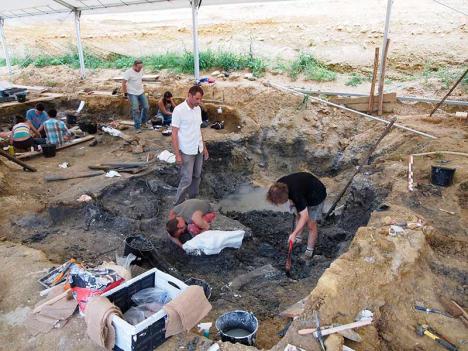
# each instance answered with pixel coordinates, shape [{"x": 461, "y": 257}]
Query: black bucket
[
  {"x": 442, "y": 176},
  {"x": 206, "y": 287},
  {"x": 88, "y": 127},
  {"x": 49, "y": 150},
  {"x": 138, "y": 245},
  {"x": 238, "y": 326},
  {"x": 71, "y": 119}
]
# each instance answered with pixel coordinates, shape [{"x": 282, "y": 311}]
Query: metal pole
[
  {"x": 196, "y": 58},
  {"x": 78, "y": 43},
  {"x": 384, "y": 43},
  {"x": 5, "y": 47}
]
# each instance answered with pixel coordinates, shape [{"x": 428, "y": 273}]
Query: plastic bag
[
  {"x": 134, "y": 315},
  {"x": 151, "y": 295}
]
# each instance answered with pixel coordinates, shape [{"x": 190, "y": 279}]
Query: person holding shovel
[{"x": 306, "y": 194}]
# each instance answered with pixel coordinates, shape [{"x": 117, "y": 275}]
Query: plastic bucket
[
  {"x": 138, "y": 245},
  {"x": 49, "y": 150},
  {"x": 238, "y": 326},
  {"x": 442, "y": 176},
  {"x": 206, "y": 287},
  {"x": 71, "y": 119},
  {"x": 88, "y": 127}
]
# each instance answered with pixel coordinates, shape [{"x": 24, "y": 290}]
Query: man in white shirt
[
  {"x": 132, "y": 87},
  {"x": 187, "y": 143}
]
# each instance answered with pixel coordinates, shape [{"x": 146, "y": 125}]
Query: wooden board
[
  {"x": 36, "y": 89},
  {"x": 99, "y": 93},
  {"x": 64, "y": 146},
  {"x": 41, "y": 98},
  {"x": 146, "y": 78},
  {"x": 387, "y": 107},
  {"x": 389, "y": 97}
]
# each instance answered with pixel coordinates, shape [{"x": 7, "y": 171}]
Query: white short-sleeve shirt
[
  {"x": 188, "y": 121},
  {"x": 134, "y": 81}
]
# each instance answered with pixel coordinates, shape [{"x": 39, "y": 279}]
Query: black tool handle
[{"x": 446, "y": 344}]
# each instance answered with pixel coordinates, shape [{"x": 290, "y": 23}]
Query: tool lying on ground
[
  {"x": 318, "y": 333},
  {"x": 338, "y": 329},
  {"x": 423, "y": 329},
  {"x": 431, "y": 310}
]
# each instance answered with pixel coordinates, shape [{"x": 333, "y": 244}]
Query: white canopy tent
[{"x": 26, "y": 8}]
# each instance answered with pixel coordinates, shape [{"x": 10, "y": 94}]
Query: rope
[{"x": 451, "y": 8}]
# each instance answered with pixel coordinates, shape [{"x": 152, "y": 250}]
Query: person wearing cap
[{"x": 132, "y": 88}]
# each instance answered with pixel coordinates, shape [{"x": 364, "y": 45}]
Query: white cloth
[
  {"x": 134, "y": 81},
  {"x": 212, "y": 242},
  {"x": 112, "y": 174},
  {"x": 188, "y": 121},
  {"x": 167, "y": 156},
  {"x": 112, "y": 131}
]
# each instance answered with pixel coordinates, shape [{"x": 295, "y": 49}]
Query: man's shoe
[{"x": 308, "y": 254}]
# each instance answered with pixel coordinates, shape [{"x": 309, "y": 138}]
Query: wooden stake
[
  {"x": 18, "y": 162},
  {"x": 382, "y": 77},
  {"x": 370, "y": 107},
  {"x": 337, "y": 329},
  {"x": 363, "y": 162},
  {"x": 450, "y": 91}
]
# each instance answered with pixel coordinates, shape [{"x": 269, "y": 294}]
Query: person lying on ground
[
  {"x": 22, "y": 134},
  {"x": 37, "y": 116},
  {"x": 306, "y": 194},
  {"x": 55, "y": 129},
  {"x": 193, "y": 216},
  {"x": 165, "y": 107}
]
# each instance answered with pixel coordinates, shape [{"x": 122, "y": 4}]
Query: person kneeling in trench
[
  {"x": 306, "y": 193},
  {"x": 193, "y": 216}
]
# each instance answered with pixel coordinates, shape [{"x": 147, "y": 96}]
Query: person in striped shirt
[
  {"x": 56, "y": 130},
  {"x": 22, "y": 134}
]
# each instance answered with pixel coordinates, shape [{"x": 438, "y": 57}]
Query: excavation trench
[{"x": 251, "y": 278}]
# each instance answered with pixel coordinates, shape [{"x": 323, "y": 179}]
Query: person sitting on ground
[
  {"x": 165, "y": 107},
  {"x": 22, "y": 134},
  {"x": 306, "y": 193},
  {"x": 37, "y": 116},
  {"x": 56, "y": 131},
  {"x": 193, "y": 216}
]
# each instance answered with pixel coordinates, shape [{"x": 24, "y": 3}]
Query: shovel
[{"x": 288, "y": 260}]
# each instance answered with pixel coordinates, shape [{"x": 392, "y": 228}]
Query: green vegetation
[
  {"x": 446, "y": 75},
  {"x": 310, "y": 67},
  {"x": 176, "y": 62},
  {"x": 355, "y": 80}
]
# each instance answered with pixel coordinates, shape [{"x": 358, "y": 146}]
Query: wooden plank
[
  {"x": 146, "y": 78},
  {"x": 55, "y": 177},
  {"x": 333, "y": 330},
  {"x": 31, "y": 154},
  {"x": 18, "y": 162},
  {"x": 387, "y": 107},
  {"x": 382, "y": 77},
  {"x": 36, "y": 89},
  {"x": 374, "y": 78},
  {"x": 388, "y": 97},
  {"x": 99, "y": 93},
  {"x": 43, "y": 97}
]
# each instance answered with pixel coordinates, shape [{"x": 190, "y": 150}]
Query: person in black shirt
[{"x": 306, "y": 193}]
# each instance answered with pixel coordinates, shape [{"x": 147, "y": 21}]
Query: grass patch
[
  {"x": 445, "y": 75},
  {"x": 310, "y": 67},
  {"x": 176, "y": 62},
  {"x": 355, "y": 80}
]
